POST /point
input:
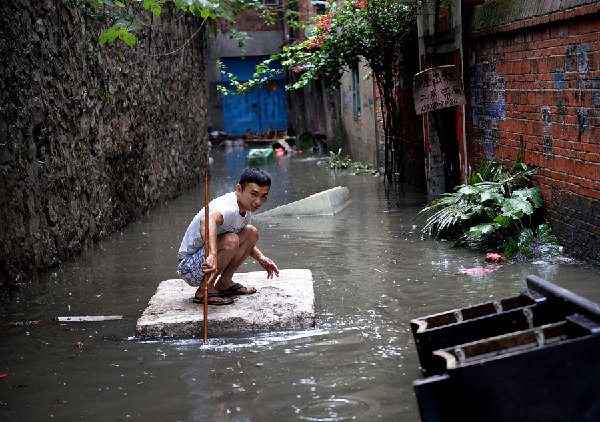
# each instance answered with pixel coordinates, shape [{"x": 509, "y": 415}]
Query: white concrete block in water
[
  {"x": 286, "y": 302},
  {"x": 328, "y": 202}
]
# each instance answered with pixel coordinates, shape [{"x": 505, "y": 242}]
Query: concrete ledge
[
  {"x": 328, "y": 202},
  {"x": 284, "y": 303}
]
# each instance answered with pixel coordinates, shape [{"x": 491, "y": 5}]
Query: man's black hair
[{"x": 254, "y": 175}]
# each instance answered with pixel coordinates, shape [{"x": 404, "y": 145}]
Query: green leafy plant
[
  {"x": 337, "y": 162},
  {"x": 497, "y": 209},
  {"x": 530, "y": 245},
  {"x": 125, "y": 17}
]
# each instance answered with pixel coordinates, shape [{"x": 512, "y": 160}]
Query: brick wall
[
  {"x": 536, "y": 77},
  {"x": 249, "y": 20},
  {"x": 307, "y": 13}
]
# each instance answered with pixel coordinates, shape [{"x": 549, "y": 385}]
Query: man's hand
[
  {"x": 209, "y": 267},
  {"x": 269, "y": 266}
]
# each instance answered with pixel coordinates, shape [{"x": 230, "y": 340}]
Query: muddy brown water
[{"x": 373, "y": 272}]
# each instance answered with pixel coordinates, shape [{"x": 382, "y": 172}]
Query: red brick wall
[
  {"x": 249, "y": 20},
  {"x": 307, "y": 14},
  {"x": 539, "y": 80}
]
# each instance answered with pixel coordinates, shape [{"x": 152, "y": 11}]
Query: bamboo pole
[{"x": 206, "y": 253}]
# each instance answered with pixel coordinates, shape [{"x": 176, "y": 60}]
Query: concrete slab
[
  {"x": 328, "y": 202},
  {"x": 284, "y": 303}
]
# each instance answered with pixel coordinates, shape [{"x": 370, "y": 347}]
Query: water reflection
[{"x": 373, "y": 272}]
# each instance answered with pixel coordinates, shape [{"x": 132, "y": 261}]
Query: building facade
[
  {"x": 532, "y": 77},
  {"x": 264, "y": 108}
]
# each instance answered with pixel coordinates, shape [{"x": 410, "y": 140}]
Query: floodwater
[{"x": 373, "y": 273}]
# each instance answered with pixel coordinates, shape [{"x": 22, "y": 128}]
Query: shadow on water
[{"x": 373, "y": 272}]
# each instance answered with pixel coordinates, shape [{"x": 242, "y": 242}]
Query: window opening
[{"x": 356, "y": 93}]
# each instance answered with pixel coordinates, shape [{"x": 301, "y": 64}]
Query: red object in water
[
  {"x": 33, "y": 322},
  {"x": 495, "y": 258}
]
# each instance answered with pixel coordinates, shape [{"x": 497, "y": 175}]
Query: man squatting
[{"x": 235, "y": 239}]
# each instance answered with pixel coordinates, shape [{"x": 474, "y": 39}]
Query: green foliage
[
  {"x": 496, "y": 209},
  {"x": 293, "y": 18},
  {"x": 264, "y": 73},
  {"x": 241, "y": 36},
  {"x": 348, "y": 33},
  {"x": 542, "y": 244},
  {"x": 115, "y": 32},
  {"x": 337, "y": 162},
  {"x": 124, "y": 17}
]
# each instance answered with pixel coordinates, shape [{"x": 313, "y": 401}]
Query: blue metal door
[
  {"x": 263, "y": 108},
  {"x": 241, "y": 113}
]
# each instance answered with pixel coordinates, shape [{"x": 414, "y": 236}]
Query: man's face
[{"x": 252, "y": 197}]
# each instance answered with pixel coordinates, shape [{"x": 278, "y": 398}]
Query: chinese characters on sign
[{"x": 436, "y": 88}]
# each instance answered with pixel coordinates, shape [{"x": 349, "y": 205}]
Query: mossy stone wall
[{"x": 91, "y": 136}]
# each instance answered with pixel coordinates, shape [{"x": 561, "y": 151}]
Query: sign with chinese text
[{"x": 436, "y": 88}]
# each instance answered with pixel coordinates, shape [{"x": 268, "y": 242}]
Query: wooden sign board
[{"x": 437, "y": 88}]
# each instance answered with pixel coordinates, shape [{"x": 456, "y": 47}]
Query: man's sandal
[
  {"x": 236, "y": 289},
  {"x": 228, "y": 301}
]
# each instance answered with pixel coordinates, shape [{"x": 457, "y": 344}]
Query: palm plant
[{"x": 496, "y": 209}]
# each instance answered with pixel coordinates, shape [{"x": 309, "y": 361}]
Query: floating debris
[
  {"x": 17, "y": 323},
  {"x": 477, "y": 271},
  {"x": 88, "y": 318},
  {"x": 495, "y": 258}
]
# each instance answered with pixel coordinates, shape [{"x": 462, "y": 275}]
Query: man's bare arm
[
  {"x": 215, "y": 219},
  {"x": 266, "y": 263}
]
